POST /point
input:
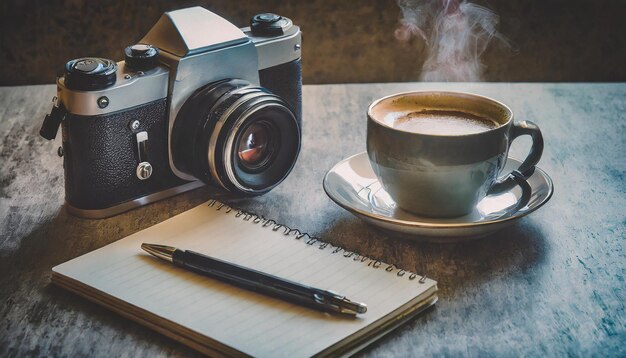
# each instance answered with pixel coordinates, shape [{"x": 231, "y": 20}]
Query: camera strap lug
[
  {"x": 144, "y": 169},
  {"x": 52, "y": 121}
]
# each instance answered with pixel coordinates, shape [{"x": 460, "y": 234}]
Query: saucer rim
[{"x": 421, "y": 224}]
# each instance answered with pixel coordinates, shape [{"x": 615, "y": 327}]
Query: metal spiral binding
[{"x": 312, "y": 240}]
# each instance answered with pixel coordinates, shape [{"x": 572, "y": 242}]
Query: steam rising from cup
[{"x": 456, "y": 34}]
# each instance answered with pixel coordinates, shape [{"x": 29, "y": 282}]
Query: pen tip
[
  {"x": 353, "y": 307},
  {"x": 361, "y": 308},
  {"x": 160, "y": 251}
]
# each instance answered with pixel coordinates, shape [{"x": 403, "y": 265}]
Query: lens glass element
[{"x": 255, "y": 146}]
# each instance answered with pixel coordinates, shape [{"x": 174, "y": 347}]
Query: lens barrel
[{"x": 236, "y": 135}]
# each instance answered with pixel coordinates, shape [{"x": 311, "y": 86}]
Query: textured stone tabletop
[{"x": 551, "y": 285}]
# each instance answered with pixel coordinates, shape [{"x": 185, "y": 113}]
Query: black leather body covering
[
  {"x": 101, "y": 156},
  {"x": 285, "y": 81}
]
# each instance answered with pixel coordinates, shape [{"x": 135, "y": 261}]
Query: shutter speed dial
[
  {"x": 269, "y": 24},
  {"x": 141, "y": 57}
]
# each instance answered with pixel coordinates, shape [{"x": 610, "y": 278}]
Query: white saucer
[{"x": 352, "y": 184}]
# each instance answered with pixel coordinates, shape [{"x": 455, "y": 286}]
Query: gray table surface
[{"x": 553, "y": 284}]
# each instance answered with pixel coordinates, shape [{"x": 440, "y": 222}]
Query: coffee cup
[{"x": 439, "y": 153}]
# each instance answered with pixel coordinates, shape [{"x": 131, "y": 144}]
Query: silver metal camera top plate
[
  {"x": 131, "y": 88},
  {"x": 276, "y": 50}
]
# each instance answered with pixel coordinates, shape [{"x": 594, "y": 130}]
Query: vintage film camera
[{"x": 196, "y": 101}]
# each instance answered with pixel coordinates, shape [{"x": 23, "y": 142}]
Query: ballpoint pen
[{"x": 257, "y": 281}]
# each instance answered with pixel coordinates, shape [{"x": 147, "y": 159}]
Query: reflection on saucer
[{"x": 353, "y": 185}]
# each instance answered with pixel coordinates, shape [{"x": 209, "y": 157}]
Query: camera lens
[
  {"x": 236, "y": 135},
  {"x": 256, "y": 146}
]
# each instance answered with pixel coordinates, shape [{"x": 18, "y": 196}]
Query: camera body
[{"x": 197, "y": 101}]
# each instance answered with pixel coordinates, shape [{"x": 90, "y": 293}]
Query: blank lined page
[{"x": 249, "y": 322}]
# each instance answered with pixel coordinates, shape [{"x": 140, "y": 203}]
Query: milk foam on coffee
[
  {"x": 438, "y": 114},
  {"x": 439, "y": 122}
]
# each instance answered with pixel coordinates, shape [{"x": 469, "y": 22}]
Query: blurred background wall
[{"x": 343, "y": 41}]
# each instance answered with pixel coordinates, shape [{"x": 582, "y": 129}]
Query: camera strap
[{"x": 52, "y": 121}]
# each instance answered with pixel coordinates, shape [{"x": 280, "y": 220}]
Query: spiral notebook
[{"x": 219, "y": 319}]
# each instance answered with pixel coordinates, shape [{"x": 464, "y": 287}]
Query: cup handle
[{"x": 526, "y": 169}]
